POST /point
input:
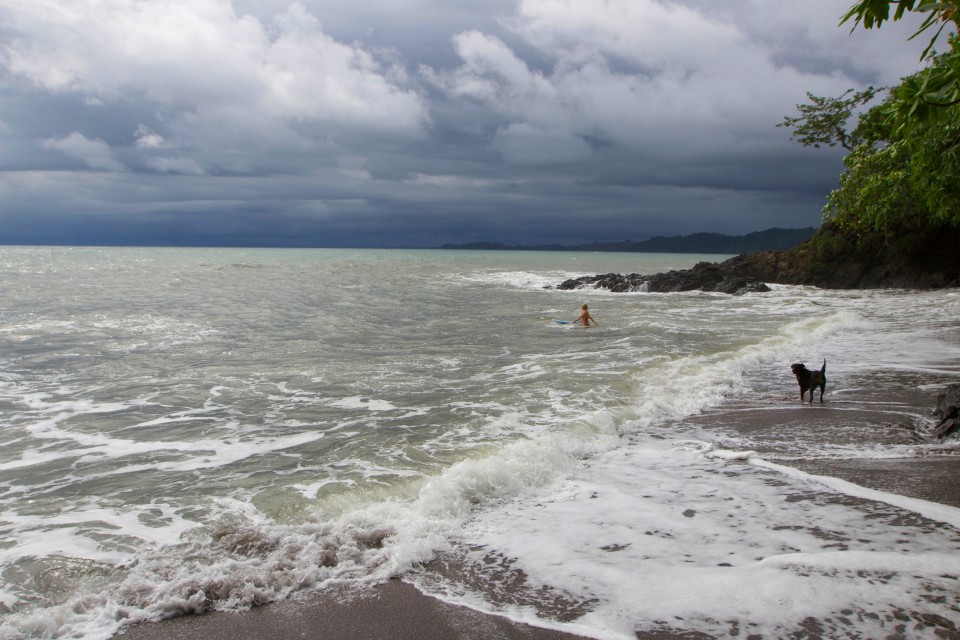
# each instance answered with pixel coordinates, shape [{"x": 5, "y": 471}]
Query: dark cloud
[{"x": 417, "y": 122}]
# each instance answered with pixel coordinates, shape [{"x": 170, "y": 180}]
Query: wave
[
  {"x": 245, "y": 558},
  {"x": 355, "y": 451}
]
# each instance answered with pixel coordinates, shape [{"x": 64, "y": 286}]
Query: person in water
[{"x": 585, "y": 318}]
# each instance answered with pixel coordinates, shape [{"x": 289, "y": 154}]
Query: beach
[
  {"x": 397, "y": 610},
  {"x": 390, "y": 610}
]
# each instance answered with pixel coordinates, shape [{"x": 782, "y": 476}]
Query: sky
[{"x": 414, "y": 123}]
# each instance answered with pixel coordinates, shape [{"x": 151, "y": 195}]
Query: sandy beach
[
  {"x": 397, "y": 609},
  {"x": 391, "y": 610},
  {"x": 890, "y": 413}
]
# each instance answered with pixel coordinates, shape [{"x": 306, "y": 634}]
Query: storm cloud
[{"x": 417, "y": 122}]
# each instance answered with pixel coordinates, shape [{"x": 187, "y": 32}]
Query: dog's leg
[{"x": 823, "y": 387}]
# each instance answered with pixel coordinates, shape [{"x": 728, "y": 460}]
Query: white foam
[
  {"x": 358, "y": 402},
  {"x": 509, "y": 446},
  {"x": 678, "y": 388},
  {"x": 651, "y": 535},
  {"x": 932, "y": 510},
  {"x": 200, "y": 454},
  {"x": 520, "y": 279},
  {"x": 79, "y": 532},
  {"x": 270, "y": 560},
  {"x": 310, "y": 490}
]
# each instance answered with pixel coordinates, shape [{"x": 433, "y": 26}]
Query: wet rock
[
  {"x": 704, "y": 276},
  {"x": 946, "y": 419},
  {"x": 947, "y": 413},
  {"x": 833, "y": 259}
]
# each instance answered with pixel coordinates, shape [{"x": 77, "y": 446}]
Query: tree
[
  {"x": 873, "y": 13},
  {"x": 902, "y": 176},
  {"x": 875, "y": 195},
  {"x": 933, "y": 93},
  {"x": 935, "y": 167},
  {"x": 824, "y": 120},
  {"x": 896, "y": 209},
  {"x": 894, "y": 185}
]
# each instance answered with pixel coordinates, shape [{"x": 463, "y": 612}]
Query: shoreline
[
  {"x": 890, "y": 416},
  {"x": 399, "y": 610},
  {"x": 392, "y": 610}
]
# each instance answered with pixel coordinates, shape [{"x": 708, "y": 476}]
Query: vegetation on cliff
[{"x": 894, "y": 219}]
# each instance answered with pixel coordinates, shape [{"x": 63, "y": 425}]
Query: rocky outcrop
[
  {"x": 831, "y": 260},
  {"x": 705, "y": 276},
  {"x": 946, "y": 419},
  {"x": 947, "y": 414}
]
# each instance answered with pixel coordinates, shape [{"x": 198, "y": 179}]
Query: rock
[
  {"x": 947, "y": 413},
  {"x": 616, "y": 282},
  {"x": 704, "y": 276},
  {"x": 833, "y": 259},
  {"x": 741, "y": 287},
  {"x": 946, "y": 416}
]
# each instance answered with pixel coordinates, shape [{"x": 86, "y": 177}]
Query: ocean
[{"x": 192, "y": 429}]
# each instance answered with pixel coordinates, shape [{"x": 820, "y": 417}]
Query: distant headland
[{"x": 774, "y": 239}]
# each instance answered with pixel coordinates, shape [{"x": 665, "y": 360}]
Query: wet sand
[
  {"x": 877, "y": 416},
  {"x": 394, "y": 610},
  {"x": 397, "y": 610}
]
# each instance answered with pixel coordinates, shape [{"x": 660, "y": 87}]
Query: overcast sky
[{"x": 418, "y": 122}]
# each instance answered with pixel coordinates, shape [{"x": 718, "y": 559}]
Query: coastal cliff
[{"x": 830, "y": 260}]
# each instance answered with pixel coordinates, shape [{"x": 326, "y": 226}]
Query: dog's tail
[{"x": 823, "y": 369}]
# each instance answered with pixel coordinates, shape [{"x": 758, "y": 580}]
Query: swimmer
[{"x": 585, "y": 318}]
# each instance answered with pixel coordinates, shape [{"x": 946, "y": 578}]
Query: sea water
[{"x": 195, "y": 429}]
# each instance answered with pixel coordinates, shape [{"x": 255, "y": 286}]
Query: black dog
[{"x": 810, "y": 379}]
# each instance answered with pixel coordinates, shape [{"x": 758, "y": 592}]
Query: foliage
[
  {"x": 874, "y": 126},
  {"x": 931, "y": 94},
  {"x": 935, "y": 168},
  {"x": 872, "y": 13},
  {"x": 901, "y": 182},
  {"x": 907, "y": 185},
  {"x": 824, "y": 120},
  {"x": 875, "y": 194}
]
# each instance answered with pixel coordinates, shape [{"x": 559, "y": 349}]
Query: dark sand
[
  {"x": 858, "y": 418},
  {"x": 397, "y": 610}
]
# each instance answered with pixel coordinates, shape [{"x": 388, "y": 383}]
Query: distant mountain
[{"x": 770, "y": 240}]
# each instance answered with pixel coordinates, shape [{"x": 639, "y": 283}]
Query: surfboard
[{"x": 562, "y": 322}]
